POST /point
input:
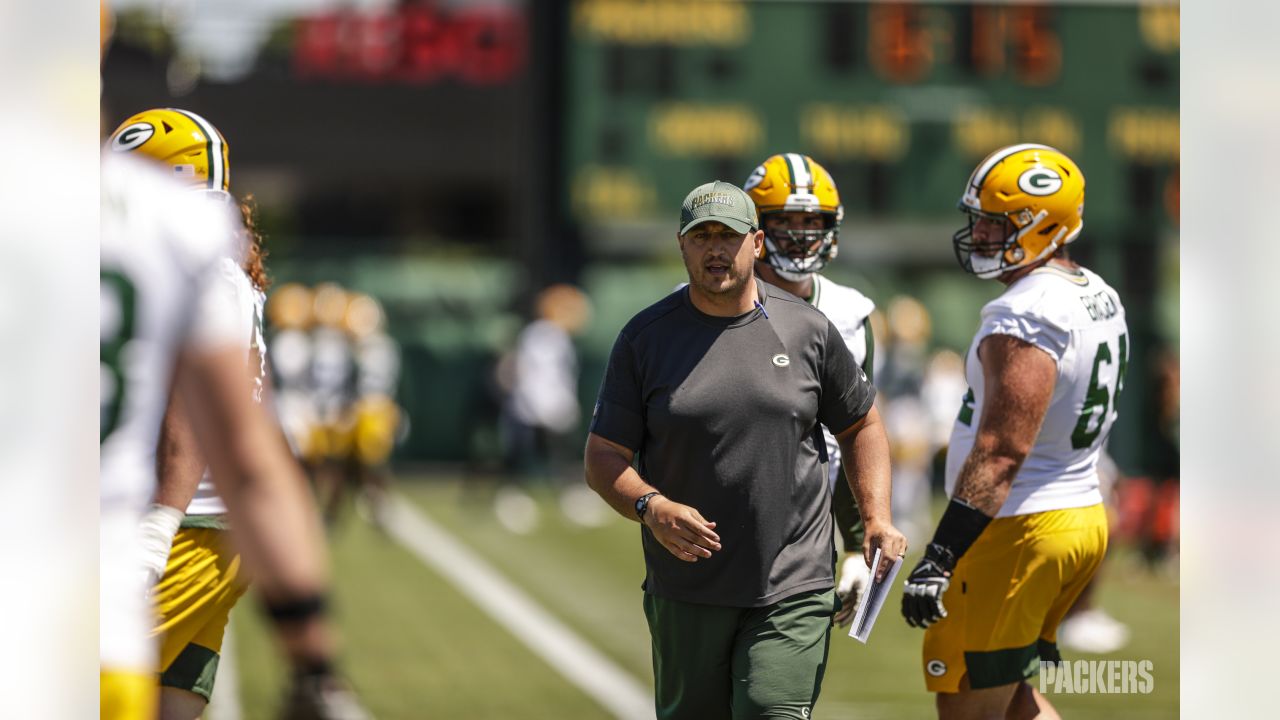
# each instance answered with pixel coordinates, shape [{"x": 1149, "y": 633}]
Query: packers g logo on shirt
[
  {"x": 133, "y": 136},
  {"x": 781, "y": 360},
  {"x": 1040, "y": 181}
]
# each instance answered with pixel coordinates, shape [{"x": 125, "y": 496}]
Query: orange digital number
[
  {"x": 899, "y": 45},
  {"x": 1037, "y": 50}
]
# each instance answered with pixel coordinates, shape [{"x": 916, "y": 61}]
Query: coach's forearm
[
  {"x": 865, "y": 449},
  {"x": 610, "y": 475}
]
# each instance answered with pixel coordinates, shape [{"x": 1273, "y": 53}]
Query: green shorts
[{"x": 711, "y": 661}]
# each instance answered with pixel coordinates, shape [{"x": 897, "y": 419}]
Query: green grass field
[{"x": 415, "y": 647}]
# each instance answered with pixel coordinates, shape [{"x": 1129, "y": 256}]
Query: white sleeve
[
  {"x": 1028, "y": 328},
  {"x": 221, "y": 317}
]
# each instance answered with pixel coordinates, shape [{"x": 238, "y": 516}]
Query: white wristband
[{"x": 159, "y": 525}]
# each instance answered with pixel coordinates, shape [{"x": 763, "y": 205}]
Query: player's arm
[
  {"x": 179, "y": 467},
  {"x": 865, "y": 448},
  {"x": 681, "y": 529},
  {"x": 275, "y": 522},
  {"x": 179, "y": 462},
  {"x": 1018, "y": 378}
]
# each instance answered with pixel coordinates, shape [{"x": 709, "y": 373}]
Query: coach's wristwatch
[{"x": 642, "y": 504}]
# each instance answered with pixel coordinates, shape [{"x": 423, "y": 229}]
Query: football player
[
  {"x": 378, "y": 418},
  {"x": 332, "y": 392},
  {"x": 190, "y": 561},
  {"x": 800, "y": 213},
  {"x": 1044, "y": 371},
  {"x": 166, "y": 323},
  {"x": 290, "y": 316}
]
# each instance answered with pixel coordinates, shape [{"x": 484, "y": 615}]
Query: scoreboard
[{"x": 899, "y": 100}]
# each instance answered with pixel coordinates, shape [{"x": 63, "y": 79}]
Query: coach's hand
[
  {"x": 892, "y": 545},
  {"x": 922, "y": 596},
  {"x": 681, "y": 529}
]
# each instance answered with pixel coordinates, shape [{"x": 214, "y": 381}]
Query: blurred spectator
[
  {"x": 540, "y": 413},
  {"x": 942, "y": 392},
  {"x": 1148, "y": 506},
  {"x": 907, "y": 417},
  {"x": 910, "y": 328}
]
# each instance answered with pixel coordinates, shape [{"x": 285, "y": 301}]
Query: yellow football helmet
[
  {"x": 364, "y": 316},
  {"x": 1035, "y": 193},
  {"x": 188, "y": 143},
  {"x": 792, "y": 182},
  {"x": 290, "y": 307},
  {"x": 330, "y": 303}
]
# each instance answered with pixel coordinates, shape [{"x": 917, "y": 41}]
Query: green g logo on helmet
[{"x": 1040, "y": 181}]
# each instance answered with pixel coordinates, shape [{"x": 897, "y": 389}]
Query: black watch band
[{"x": 642, "y": 504}]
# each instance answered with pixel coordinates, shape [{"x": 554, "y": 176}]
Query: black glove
[
  {"x": 322, "y": 696},
  {"x": 923, "y": 589}
]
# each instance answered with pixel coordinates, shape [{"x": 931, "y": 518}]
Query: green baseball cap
[{"x": 719, "y": 201}]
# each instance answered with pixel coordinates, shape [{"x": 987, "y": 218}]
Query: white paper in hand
[{"x": 873, "y": 598}]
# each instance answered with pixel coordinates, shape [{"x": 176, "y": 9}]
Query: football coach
[{"x": 720, "y": 389}]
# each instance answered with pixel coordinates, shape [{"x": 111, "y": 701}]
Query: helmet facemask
[
  {"x": 797, "y": 253},
  {"x": 993, "y": 258}
]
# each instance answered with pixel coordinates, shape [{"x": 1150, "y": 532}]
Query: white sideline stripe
[
  {"x": 562, "y": 649},
  {"x": 225, "y": 703}
]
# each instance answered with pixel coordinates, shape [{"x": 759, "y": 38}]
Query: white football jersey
[
  {"x": 234, "y": 293},
  {"x": 160, "y": 249},
  {"x": 848, "y": 310},
  {"x": 1077, "y": 319},
  {"x": 332, "y": 372},
  {"x": 377, "y": 365},
  {"x": 160, "y": 245}
]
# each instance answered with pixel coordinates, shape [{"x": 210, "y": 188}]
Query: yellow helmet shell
[
  {"x": 791, "y": 181},
  {"x": 181, "y": 139},
  {"x": 330, "y": 304},
  {"x": 1041, "y": 193},
  {"x": 289, "y": 307},
  {"x": 364, "y": 316}
]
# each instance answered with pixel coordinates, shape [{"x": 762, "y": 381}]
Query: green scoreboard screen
[{"x": 898, "y": 100}]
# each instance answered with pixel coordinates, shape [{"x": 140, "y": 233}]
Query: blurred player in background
[
  {"x": 337, "y": 373},
  {"x": 1044, "y": 371},
  {"x": 800, "y": 212},
  {"x": 290, "y": 314},
  {"x": 376, "y": 419},
  {"x": 190, "y": 560},
  {"x": 332, "y": 390}
]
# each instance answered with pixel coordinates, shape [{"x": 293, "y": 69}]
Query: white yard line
[
  {"x": 578, "y": 661},
  {"x": 225, "y": 704}
]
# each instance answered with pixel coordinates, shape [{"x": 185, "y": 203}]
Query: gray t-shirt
[{"x": 722, "y": 413}]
